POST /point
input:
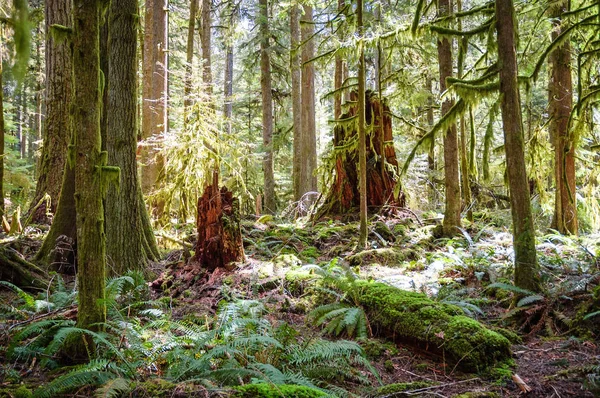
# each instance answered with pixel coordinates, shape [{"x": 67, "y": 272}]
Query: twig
[
  {"x": 42, "y": 316},
  {"x": 426, "y": 389}
]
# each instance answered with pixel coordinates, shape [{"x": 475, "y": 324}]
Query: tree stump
[
  {"x": 219, "y": 232},
  {"x": 382, "y": 166}
]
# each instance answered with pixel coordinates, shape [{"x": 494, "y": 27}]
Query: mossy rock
[
  {"x": 437, "y": 327},
  {"x": 280, "y": 391},
  {"x": 310, "y": 253},
  {"x": 297, "y": 279},
  {"x": 402, "y": 387},
  {"x": 384, "y": 231},
  {"x": 286, "y": 260},
  {"x": 387, "y": 256},
  {"x": 12, "y": 392}
]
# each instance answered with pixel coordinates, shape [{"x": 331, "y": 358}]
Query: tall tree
[
  {"x": 560, "y": 89},
  {"x": 270, "y": 204},
  {"x": 205, "y": 40},
  {"x": 362, "y": 140},
  {"x": 308, "y": 141},
  {"x": 56, "y": 127},
  {"x": 338, "y": 75},
  {"x": 526, "y": 266},
  {"x": 154, "y": 88},
  {"x": 130, "y": 241},
  {"x": 296, "y": 96},
  {"x": 228, "y": 78},
  {"x": 90, "y": 163},
  {"x": 187, "y": 90},
  {"x": 451, "y": 173},
  {"x": 1, "y": 126}
]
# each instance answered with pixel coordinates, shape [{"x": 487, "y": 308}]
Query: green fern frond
[
  {"x": 510, "y": 288},
  {"x": 114, "y": 388},
  {"x": 591, "y": 315},
  {"x": 26, "y": 297}
]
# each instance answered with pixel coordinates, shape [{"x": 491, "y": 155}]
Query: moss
[
  {"x": 157, "y": 388},
  {"x": 401, "y": 387},
  {"x": 388, "y": 256},
  {"x": 388, "y": 365},
  {"x": 437, "y": 327},
  {"x": 310, "y": 253},
  {"x": 296, "y": 280},
  {"x": 376, "y": 348},
  {"x": 384, "y": 231},
  {"x": 510, "y": 335},
  {"x": 286, "y": 260},
  {"x": 280, "y": 391}
]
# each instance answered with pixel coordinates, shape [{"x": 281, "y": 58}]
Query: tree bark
[
  {"x": 308, "y": 142},
  {"x": 219, "y": 233},
  {"x": 90, "y": 164},
  {"x": 205, "y": 39},
  {"x": 124, "y": 223},
  {"x": 295, "y": 67},
  {"x": 270, "y": 205},
  {"x": 16, "y": 270},
  {"x": 560, "y": 88},
  {"x": 187, "y": 89},
  {"x": 451, "y": 173},
  {"x": 526, "y": 266},
  {"x": 228, "y": 78},
  {"x": 362, "y": 139},
  {"x": 1, "y": 132},
  {"x": 338, "y": 78},
  {"x": 154, "y": 90},
  {"x": 56, "y": 129},
  {"x": 431, "y": 150}
]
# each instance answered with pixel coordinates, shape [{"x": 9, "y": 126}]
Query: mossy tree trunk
[
  {"x": 560, "y": 89},
  {"x": 1, "y": 133},
  {"x": 15, "y": 269},
  {"x": 124, "y": 224},
  {"x": 189, "y": 59},
  {"x": 57, "y": 129},
  {"x": 296, "y": 95},
  {"x": 219, "y": 232},
  {"x": 270, "y": 204},
  {"x": 451, "y": 164},
  {"x": 362, "y": 134},
  {"x": 205, "y": 40},
  {"x": 526, "y": 266},
  {"x": 91, "y": 171},
  {"x": 382, "y": 187}
]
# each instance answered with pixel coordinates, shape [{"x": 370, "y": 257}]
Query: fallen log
[{"x": 20, "y": 272}]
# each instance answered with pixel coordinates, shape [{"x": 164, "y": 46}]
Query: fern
[
  {"x": 525, "y": 301},
  {"x": 510, "y": 288},
  {"x": 26, "y": 297}
]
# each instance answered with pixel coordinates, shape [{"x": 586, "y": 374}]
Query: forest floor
[{"x": 555, "y": 353}]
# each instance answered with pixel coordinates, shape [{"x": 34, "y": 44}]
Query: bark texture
[
  {"x": 16, "y": 270},
  {"x": 205, "y": 39},
  {"x": 270, "y": 204},
  {"x": 526, "y": 266},
  {"x": 90, "y": 164},
  {"x": 124, "y": 223},
  {"x": 362, "y": 134},
  {"x": 308, "y": 141},
  {"x": 343, "y": 196},
  {"x": 219, "y": 232},
  {"x": 187, "y": 89},
  {"x": 1, "y": 134},
  {"x": 451, "y": 165},
  {"x": 560, "y": 89},
  {"x": 296, "y": 96},
  {"x": 56, "y": 129},
  {"x": 154, "y": 89}
]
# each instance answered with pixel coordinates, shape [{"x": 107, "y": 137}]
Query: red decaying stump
[
  {"x": 382, "y": 165},
  {"x": 219, "y": 233}
]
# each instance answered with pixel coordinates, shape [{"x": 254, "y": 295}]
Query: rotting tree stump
[
  {"x": 219, "y": 233},
  {"x": 382, "y": 166}
]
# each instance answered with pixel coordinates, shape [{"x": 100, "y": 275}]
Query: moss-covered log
[
  {"x": 382, "y": 189},
  {"x": 219, "y": 232},
  {"x": 433, "y": 326},
  {"x": 266, "y": 390},
  {"x": 16, "y": 270}
]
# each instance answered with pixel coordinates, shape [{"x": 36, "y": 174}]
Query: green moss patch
[
  {"x": 387, "y": 256},
  {"x": 436, "y": 327},
  {"x": 402, "y": 387},
  {"x": 280, "y": 391}
]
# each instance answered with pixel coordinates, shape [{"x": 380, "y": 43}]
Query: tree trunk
[
  {"x": 308, "y": 141},
  {"x": 124, "y": 226},
  {"x": 205, "y": 39},
  {"x": 23, "y": 119},
  {"x": 219, "y": 232},
  {"x": 16, "y": 270},
  {"x": 338, "y": 78},
  {"x": 57, "y": 129},
  {"x": 526, "y": 266},
  {"x": 1, "y": 132},
  {"x": 451, "y": 173},
  {"x": 267, "y": 108},
  {"x": 431, "y": 150},
  {"x": 560, "y": 103},
  {"x": 91, "y": 171},
  {"x": 228, "y": 78},
  {"x": 362, "y": 139},
  {"x": 154, "y": 91},
  {"x": 296, "y": 96},
  {"x": 343, "y": 196},
  {"x": 187, "y": 89}
]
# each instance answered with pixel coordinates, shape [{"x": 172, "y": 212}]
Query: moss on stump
[{"x": 435, "y": 327}]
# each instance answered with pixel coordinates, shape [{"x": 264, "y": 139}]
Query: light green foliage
[
  {"x": 277, "y": 391},
  {"x": 402, "y": 387}
]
